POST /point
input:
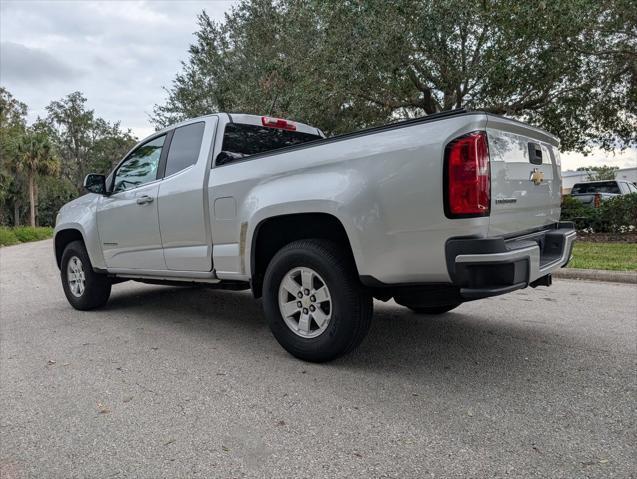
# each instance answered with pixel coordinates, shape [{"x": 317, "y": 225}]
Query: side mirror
[{"x": 95, "y": 183}]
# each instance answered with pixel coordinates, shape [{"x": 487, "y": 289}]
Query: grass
[
  {"x": 23, "y": 234},
  {"x": 610, "y": 256}
]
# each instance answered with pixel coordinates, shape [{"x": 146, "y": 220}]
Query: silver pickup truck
[{"x": 431, "y": 212}]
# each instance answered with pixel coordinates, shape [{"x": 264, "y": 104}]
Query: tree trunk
[
  {"x": 36, "y": 202},
  {"x": 16, "y": 213},
  {"x": 32, "y": 199}
]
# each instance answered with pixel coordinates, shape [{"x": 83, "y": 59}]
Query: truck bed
[{"x": 385, "y": 185}]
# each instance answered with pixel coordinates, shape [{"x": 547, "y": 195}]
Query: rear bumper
[{"x": 482, "y": 267}]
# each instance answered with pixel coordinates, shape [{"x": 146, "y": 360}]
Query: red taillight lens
[
  {"x": 467, "y": 176},
  {"x": 278, "y": 123}
]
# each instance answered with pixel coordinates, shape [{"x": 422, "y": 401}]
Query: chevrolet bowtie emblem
[{"x": 537, "y": 176}]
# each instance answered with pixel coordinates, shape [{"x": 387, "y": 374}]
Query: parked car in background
[
  {"x": 432, "y": 212},
  {"x": 591, "y": 193}
]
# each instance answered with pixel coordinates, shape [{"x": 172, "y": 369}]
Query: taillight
[
  {"x": 278, "y": 123},
  {"x": 467, "y": 178}
]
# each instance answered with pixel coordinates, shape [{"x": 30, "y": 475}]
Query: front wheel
[
  {"x": 314, "y": 302},
  {"x": 84, "y": 288}
]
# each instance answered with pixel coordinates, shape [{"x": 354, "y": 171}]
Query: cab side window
[
  {"x": 140, "y": 167},
  {"x": 184, "y": 147}
]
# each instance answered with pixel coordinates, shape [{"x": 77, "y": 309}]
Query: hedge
[{"x": 614, "y": 215}]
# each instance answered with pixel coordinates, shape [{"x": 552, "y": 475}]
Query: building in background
[{"x": 569, "y": 178}]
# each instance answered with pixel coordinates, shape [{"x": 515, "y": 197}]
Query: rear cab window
[
  {"x": 597, "y": 187},
  {"x": 243, "y": 140}
]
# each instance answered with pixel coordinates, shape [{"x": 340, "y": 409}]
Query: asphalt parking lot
[{"x": 174, "y": 382}]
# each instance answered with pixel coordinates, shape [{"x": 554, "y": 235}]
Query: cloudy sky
[{"x": 119, "y": 54}]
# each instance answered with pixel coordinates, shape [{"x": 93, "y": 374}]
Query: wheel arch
[
  {"x": 274, "y": 232},
  {"x": 63, "y": 238}
]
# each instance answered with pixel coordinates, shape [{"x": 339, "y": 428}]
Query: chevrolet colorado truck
[{"x": 431, "y": 212}]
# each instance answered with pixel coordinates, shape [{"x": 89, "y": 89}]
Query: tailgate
[{"x": 525, "y": 177}]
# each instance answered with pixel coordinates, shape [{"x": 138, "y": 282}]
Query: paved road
[{"x": 169, "y": 382}]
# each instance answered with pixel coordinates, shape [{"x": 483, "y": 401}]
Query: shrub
[
  {"x": 619, "y": 214},
  {"x": 615, "y": 215},
  {"x": 7, "y": 237},
  {"x": 575, "y": 211},
  {"x": 25, "y": 234}
]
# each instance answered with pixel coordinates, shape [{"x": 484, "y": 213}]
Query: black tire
[
  {"x": 352, "y": 304},
  {"x": 97, "y": 287},
  {"x": 431, "y": 309}
]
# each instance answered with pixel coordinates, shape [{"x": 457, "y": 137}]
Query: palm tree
[{"x": 36, "y": 157}]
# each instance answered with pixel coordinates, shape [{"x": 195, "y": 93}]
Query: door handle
[{"x": 142, "y": 200}]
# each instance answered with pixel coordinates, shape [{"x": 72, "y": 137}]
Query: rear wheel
[
  {"x": 431, "y": 309},
  {"x": 84, "y": 288},
  {"x": 315, "y": 305}
]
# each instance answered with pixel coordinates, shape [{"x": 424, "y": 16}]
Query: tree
[
  {"x": 569, "y": 66},
  {"x": 12, "y": 126},
  {"x": 109, "y": 146},
  {"x": 37, "y": 157},
  {"x": 85, "y": 142},
  {"x": 53, "y": 192},
  {"x": 72, "y": 124},
  {"x": 599, "y": 173},
  {"x": 52, "y": 156},
  {"x": 12, "y": 112}
]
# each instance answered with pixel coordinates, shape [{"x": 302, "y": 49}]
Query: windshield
[
  {"x": 599, "y": 187},
  {"x": 241, "y": 140}
]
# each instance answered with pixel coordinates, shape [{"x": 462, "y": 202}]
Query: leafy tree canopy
[
  {"x": 13, "y": 112},
  {"x": 13, "y": 115},
  {"x": 569, "y": 66},
  {"x": 43, "y": 165},
  {"x": 86, "y": 143}
]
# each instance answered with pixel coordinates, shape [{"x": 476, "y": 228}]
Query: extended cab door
[
  {"x": 127, "y": 219},
  {"x": 184, "y": 220}
]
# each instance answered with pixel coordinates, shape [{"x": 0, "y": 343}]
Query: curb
[{"x": 627, "y": 277}]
